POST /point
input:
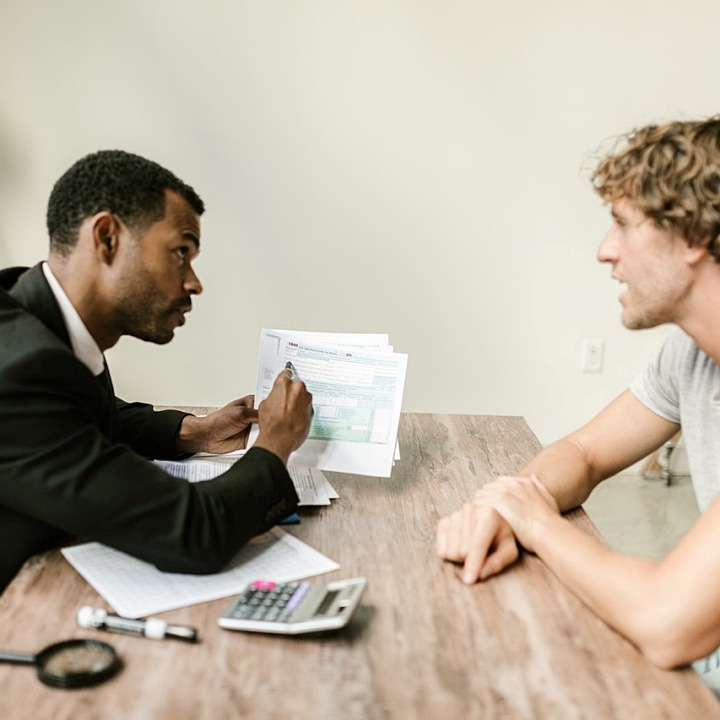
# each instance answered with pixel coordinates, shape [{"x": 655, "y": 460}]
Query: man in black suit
[{"x": 124, "y": 232}]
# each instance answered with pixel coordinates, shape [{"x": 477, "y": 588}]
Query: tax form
[{"x": 357, "y": 382}]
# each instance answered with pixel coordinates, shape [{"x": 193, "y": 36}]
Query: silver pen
[
  {"x": 289, "y": 366},
  {"x": 155, "y": 628}
]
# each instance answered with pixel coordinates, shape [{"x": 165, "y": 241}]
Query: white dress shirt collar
[{"x": 83, "y": 345}]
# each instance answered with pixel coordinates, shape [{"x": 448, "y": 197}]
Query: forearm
[
  {"x": 669, "y": 609},
  {"x": 566, "y": 470},
  {"x": 630, "y": 594},
  {"x": 150, "y": 432}
]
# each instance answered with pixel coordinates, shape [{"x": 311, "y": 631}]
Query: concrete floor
[{"x": 643, "y": 517}]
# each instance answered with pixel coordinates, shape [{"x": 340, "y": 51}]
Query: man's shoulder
[
  {"x": 21, "y": 331},
  {"x": 29, "y": 313},
  {"x": 680, "y": 344},
  {"x": 680, "y": 352},
  {"x": 8, "y": 280},
  {"x": 14, "y": 284},
  {"x": 682, "y": 365},
  {"x": 10, "y": 276}
]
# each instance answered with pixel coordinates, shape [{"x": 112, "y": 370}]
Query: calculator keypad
[{"x": 270, "y": 604}]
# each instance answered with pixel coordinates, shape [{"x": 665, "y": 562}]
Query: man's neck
[
  {"x": 701, "y": 319},
  {"x": 82, "y": 342},
  {"x": 78, "y": 282}
]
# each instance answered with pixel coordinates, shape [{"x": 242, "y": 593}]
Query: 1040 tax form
[{"x": 357, "y": 382}]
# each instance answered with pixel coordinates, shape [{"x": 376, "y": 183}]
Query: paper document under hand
[
  {"x": 357, "y": 383},
  {"x": 311, "y": 485},
  {"x": 135, "y": 588}
]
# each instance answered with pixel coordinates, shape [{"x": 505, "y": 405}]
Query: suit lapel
[{"x": 31, "y": 290}]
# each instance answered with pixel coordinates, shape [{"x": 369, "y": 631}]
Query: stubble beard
[
  {"x": 644, "y": 314},
  {"x": 145, "y": 313}
]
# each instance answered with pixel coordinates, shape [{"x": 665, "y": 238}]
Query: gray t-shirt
[{"x": 682, "y": 384}]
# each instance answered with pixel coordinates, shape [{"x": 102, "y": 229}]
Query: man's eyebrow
[{"x": 193, "y": 238}]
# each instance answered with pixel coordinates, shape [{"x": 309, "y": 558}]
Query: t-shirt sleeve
[{"x": 657, "y": 385}]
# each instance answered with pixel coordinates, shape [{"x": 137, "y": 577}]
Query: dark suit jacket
[{"x": 73, "y": 459}]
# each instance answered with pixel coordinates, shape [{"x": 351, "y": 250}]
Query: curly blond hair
[{"x": 671, "y": 172}]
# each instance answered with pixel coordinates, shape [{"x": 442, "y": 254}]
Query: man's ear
[
  {"x": 106, "y": 229},
  {"x": 694, "y": 254}
]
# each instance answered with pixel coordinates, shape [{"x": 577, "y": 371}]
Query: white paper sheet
[
  {"x": 357, "y": 383},
  {"x": 135, "y": 588},
  {"x": 311, "y": 485}
]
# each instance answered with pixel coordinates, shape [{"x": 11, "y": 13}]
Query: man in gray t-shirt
[{"x": 663, "y": 186}]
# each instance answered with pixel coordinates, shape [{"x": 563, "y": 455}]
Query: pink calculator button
[{"x": 263, "y": 584}]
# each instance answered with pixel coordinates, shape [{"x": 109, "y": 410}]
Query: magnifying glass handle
[{"x": 18, "y": 658}]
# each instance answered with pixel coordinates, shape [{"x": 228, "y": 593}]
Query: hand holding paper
[{"x": 225, "y": 430}]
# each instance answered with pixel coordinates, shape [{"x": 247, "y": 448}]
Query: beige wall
[{"x": 414, "y": 167}]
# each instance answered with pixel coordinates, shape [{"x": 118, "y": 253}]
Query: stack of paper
[
  {"x": 311, "y": 485},
  {"x": 357, "y": 382}
]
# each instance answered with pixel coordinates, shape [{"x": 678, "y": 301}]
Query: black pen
[{"x": 155, "y": 628}]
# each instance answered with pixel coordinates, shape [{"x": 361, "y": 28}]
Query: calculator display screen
[{"x": 327, "y": 603}]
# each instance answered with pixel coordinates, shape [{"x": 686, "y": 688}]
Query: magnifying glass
[{"x": 70, "y": 663}]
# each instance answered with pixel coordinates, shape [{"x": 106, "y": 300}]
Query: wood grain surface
[{"x": 422, "y": 645}]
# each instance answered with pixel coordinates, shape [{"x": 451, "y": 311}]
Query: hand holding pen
[{"x": 284, "y": 416}]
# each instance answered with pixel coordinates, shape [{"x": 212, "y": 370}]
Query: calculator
[{"x": 292, "y": 608}]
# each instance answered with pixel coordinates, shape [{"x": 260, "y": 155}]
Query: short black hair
[{"x": 127, "y": 185}]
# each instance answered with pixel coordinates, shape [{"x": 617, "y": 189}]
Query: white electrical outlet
[{"x": 592, "y": 355}]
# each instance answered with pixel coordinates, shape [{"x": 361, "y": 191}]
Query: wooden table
[{"x": 422, "y": 645}]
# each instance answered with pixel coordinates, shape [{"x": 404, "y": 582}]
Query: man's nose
[
  {"x": 607, "y": 250},
  {"x": 192, "y": 283}
]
